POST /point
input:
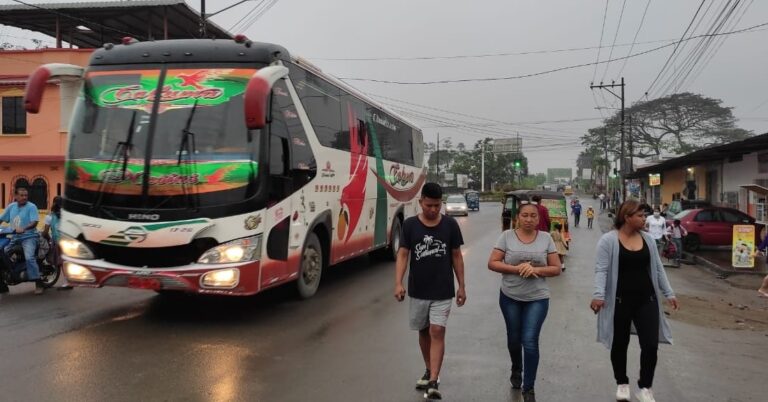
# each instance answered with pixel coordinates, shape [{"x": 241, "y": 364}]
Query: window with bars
[{"x": 14, "y": 116}]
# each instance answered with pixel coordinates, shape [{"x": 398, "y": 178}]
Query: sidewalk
[{"x": 719, "y": 262}]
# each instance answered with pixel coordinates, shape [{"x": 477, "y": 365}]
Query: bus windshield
[{"x": 193, "y": 139}]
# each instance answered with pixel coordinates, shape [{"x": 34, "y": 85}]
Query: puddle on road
[{"x": 720, "y": 313}]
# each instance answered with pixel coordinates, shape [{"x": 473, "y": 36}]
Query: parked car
[
  {"x": 712, "y": 226},
  {"x": 681, "y": 205},
  {"x": 456, "y": 205}
]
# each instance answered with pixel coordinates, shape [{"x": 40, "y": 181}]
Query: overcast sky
[{"x": 336, "y": 29}]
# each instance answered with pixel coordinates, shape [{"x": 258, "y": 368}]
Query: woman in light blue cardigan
[{"x": 630, "y": 282}]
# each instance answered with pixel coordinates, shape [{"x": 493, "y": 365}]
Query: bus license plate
[{"x": 143, "y": 283}]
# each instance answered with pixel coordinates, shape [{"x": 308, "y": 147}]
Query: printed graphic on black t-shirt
[{"x": 430, "y": 274}]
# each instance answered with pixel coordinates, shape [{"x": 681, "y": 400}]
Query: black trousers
[{"x": 644, "y": 313}]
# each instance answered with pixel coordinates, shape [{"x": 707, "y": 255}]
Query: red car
[{"x": 712, "y": 226}]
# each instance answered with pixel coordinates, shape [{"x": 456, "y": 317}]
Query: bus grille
[{"x": 161, "y": 257}]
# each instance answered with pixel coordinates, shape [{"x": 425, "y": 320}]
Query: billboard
[
  {"x": 554, "y": 174},
  {"x": 508, "y": 145},
  {"x": 654, "y": 179}
]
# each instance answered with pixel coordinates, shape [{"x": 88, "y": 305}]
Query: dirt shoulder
[{"x": 710, "y": 302}]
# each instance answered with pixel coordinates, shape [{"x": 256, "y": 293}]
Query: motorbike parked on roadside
[{"x": 16, "y": 273}]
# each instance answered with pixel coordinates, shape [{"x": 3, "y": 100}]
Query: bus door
[{"x": 291, "y": 166}]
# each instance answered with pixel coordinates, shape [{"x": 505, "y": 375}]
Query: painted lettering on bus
[
  {"x": 399, "y": 176},
  {"x": 114, "y": 96}
]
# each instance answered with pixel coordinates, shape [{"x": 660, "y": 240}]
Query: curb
[{"x": 716, "y": 268}]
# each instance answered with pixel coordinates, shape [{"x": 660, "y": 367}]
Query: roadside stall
[{"x": 555, "y": 203}]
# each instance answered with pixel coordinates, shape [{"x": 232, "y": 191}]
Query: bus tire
[
  {"x": 396, "y": 238},
  {"x": 310, "y": 267},
  {"x": 389, "y": 253}
]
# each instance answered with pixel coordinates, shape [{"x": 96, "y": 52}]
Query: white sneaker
[
  {"x": 622, "y": 392},
  {"x": 645, "y": 395}
]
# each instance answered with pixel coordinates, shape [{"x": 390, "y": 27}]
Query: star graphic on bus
[{"x": 194, "y": 79}]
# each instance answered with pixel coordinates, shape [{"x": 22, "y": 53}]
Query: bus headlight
[
  {"x": 223, "y": 278},
  {"x": 240, "y": 250},
  {"x": 75, "y": 249},
  {"x": 78, "y": 273}
]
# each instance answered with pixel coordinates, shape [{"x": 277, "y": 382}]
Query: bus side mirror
[
  {"x": 33, "y": 93},
  {"x": 257, "y": 95}
]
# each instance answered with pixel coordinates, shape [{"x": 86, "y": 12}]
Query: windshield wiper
[
  {"x": 124, "y": 147},
  {"x": 190, "y": 148}
]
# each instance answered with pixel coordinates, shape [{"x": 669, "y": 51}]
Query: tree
[
  {"x": 677, "y": 124},
  {"x": 461, "y": 147}
]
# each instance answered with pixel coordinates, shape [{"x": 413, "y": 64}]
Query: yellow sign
[
  {"x": 743, "y": 246},
  {"x": 654, "y": 179}
]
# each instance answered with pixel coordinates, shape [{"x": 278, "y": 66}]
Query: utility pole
[
  {"x": 631, "y": 147},
  {"x": 608, "y": 87},
  {"x": 202, "y": 19},
  {"x": 482, "y": 166},
  {"x": 438, "y": 157},
  {"x": 606, "y": 164}
]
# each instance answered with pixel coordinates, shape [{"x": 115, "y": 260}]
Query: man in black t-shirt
[{"x": 431, "y": 243}]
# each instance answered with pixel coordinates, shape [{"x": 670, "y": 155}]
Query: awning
[{"x": 754, "y": 187}]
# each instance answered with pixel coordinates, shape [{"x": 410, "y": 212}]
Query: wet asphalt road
[{"x": 349, "y": 343}]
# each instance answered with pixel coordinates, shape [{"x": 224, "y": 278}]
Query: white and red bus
[{"x": 225, "y": 167}]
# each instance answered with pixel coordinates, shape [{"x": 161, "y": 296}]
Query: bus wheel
[
  {"x": 311, "y": 268},
  {"x": 394, "y": 245}
]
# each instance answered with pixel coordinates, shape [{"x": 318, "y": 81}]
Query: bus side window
[{"x": 280, "y": 183}]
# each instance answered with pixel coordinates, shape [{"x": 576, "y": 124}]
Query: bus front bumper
[{"x": 238, "y": 279}]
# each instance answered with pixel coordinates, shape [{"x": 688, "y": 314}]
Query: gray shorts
[{"x": 422, "y": 313}]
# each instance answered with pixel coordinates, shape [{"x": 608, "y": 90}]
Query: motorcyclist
[{"x": 23, "y": 216}]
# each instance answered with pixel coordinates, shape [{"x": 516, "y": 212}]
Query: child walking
[
  {"x": 590, "y": 217},
  {"x": 562, "y": 248}
]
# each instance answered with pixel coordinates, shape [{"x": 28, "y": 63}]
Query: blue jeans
[
  {"x": 679, "y": 245},
  {"x": 524, "y": 321},
  {"x": 29, "y": 245}
]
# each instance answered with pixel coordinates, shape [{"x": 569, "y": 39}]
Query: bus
[{"x": 225, "y": 167}]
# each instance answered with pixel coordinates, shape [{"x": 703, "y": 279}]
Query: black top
[
  {"x": 430, "y": 276},
  {"x": 634, "y": 273}
]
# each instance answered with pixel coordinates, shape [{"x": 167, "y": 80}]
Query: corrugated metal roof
[
  {"x": 710, "y": 154},
  {"x": 91, "y": 4},
  {"x": 110, "y": 21}
]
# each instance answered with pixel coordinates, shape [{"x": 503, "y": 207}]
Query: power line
[
  {"x": 714, "y": 51},
  {"x": 602, "y": 31},
  {"x": 676, "y": 46},
  {"x": 247, "y": 15},
  {"x": 615, "y": 35},
  {"x": 546, "y": 71},
  {"x": 702, "y": 45},
  {"x": 485, "y": 55},
  {"x": 635, "y": 38},
  {"x": 513, "y": 124}
]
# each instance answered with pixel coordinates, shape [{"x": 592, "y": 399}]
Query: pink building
[{"x": 32, "y": 147}]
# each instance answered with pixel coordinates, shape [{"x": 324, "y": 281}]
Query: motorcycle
[{"x": 16, "y": 273}]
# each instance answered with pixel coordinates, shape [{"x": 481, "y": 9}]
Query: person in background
[
  {"x": 562, "y": 247},
  {"x": 525, "y": 257},
  {"x": 630, "y": 282},
  {"x": 602, "y": 201},
  {"x": 761, "y": 249},
  {"x": 23, "y": 216},
  {"x": 590, "y": 217},
  {"x": 544, "y": 223},
  {"x": 646, "y": 207},
  {"x": 665, "y": 210},
  {"x": 676, "y": 232},
  {"x": 431, "y": 252},
  {"x": 576, "y": 212},
  {"x": 51, "y": 233},
  {"x": 656, "y": 227}
]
